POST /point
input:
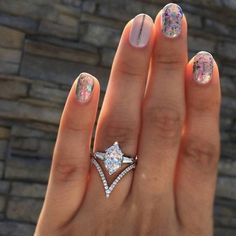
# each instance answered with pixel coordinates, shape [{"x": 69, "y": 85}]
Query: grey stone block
[
  {"x": 46, "y": 148},
  {"x": 3, "y": 149},
  {"x": 113, "y": 11},
  {"x": 225, "y": 123},
  {"x": 2, "y": 203},
  {"x": 224, "y": 232},
  {"x": 73, "y": 3},
  {"x": 27, "y": 169},
  {"x": 65, "y": 43},
  {"x": 8, "y": 67},
  {"x": 227, "y": 167},
  {"x": 43, "y": 92},
  {"x": 4, "y": 186},
  {"x": 228, "y": 70},
  {"x": 4, "y": 132},
  {"x": 12, "y": 89},
  {"x": 63, "y": 31},
  {"x": 28, "y": 190},
  {"x": 95, "y": 19},
  {"x": 228, "y": 87},
  {"x": 89, "y": 6},
  {"x": 32, "y": 147},
  {"x": 225, "y": 221},
  {"x": 101, "y": 36},
  {"x": 30, "y": 144},
  {"x": 23, "y": 131},
  {"x": 25, "y": 209},
  {"x": 231, "y": 4},
  {"x": 9, "y": 228},
  {"x": 228, "y": 150},
  {"x": 49, "y": 50},
  {"x": 11, "y": 38},
  {"x": 193, "y": 20},
  {"x": 25, "y": 24},
  {"x": 36, "y": 10},
  {"x": 1, "y": 169},
  {"x": 107, "y": 56},
  {"x": 214, "y": 26},
  {"x": 225, "y": 209},
  {"x": 226, "y": 187},
  {"x": 23, "y": 111},
  {"x": 58, "y": 71},
  {"x": 10, "y": 55},
  {"x": 200, "y": 44},
  {"x": 227, "y": 50}
]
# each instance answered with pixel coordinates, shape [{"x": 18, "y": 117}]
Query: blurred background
[{"x": 45, "y": 44}]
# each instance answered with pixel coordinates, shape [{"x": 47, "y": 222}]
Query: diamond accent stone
[{"x": 113, "y": 158}]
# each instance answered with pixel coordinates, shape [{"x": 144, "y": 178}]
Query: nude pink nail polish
[{"x": 141, "y": 30}]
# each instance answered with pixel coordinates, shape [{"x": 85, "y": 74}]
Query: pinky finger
[{"x": 71, "y": 158}]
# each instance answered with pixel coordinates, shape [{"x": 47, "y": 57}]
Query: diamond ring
[{"x": 113, "y": 158}]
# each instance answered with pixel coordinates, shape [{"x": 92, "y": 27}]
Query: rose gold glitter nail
[
  {"x": 84, "y": 87},
  {"x": 203, "y": 67}
]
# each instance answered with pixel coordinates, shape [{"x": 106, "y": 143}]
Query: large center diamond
[{"x": 113, "y": 158}]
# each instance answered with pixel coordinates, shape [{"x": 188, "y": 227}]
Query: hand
[{"x": 157, "y": 106}]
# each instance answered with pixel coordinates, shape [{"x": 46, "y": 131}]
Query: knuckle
[
  {"x": 68, "y": 170},
  {"x": 124, "y": 132},
  {"x": 169, "y": 61},
  {"x": 166, "y": 121},
  {"x": 127, "y": 67},
  {"x": 77, "y": 128},
  {"x": 203, "y": 154}
]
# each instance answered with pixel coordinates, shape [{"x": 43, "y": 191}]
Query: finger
[
  {"x": 163, "y": 107},
  {"x": 197, "y": 166},
  {"x": 120, "y": 114},
  {"x": 71, "y": 159}
]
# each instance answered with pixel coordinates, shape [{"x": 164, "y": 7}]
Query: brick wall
[{"x": 45, "y": 44}]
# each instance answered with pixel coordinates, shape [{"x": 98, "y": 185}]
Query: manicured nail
[
  {"x": 203, "y": 67},
  {"x": 141, "y": 30},
  {"x": 84, "y": 87},
  {"x": 171, "y": 20}
]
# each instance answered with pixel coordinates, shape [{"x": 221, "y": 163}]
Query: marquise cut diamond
[{"x": 113, "y": 158}]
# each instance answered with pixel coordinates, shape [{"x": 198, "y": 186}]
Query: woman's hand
[{"x": 159, "y": 107}]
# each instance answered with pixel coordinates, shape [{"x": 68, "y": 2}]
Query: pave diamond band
[
  {"x": 109, "y": 189},
  {"x": 113, "y": 158}
]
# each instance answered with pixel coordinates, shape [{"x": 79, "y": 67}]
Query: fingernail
[
  {"x": 84, "y": 87},
  {"x": 141, "y": 30},
  {"x": 171, "y": 20},
  {"x": 203, "y": 67}
]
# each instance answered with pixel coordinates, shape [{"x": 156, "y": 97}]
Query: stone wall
[{"x": 45, "y": 44}]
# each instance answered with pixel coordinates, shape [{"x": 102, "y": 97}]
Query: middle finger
[
  {"x": 164, "y": 106},
  {"x": 119, "y": 119}
]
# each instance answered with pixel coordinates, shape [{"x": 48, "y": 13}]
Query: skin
[{"x": 157, "y": 112}]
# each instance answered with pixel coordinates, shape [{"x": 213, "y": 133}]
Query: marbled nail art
[
  {"x": 141, "y": 30},
  {"x": 84, "y": 87},
  {"x": 171, "y": 20},
  {"x": 203, "y": 67}
]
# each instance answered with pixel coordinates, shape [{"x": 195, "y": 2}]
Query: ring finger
[{"x": 119, "y": 119}]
